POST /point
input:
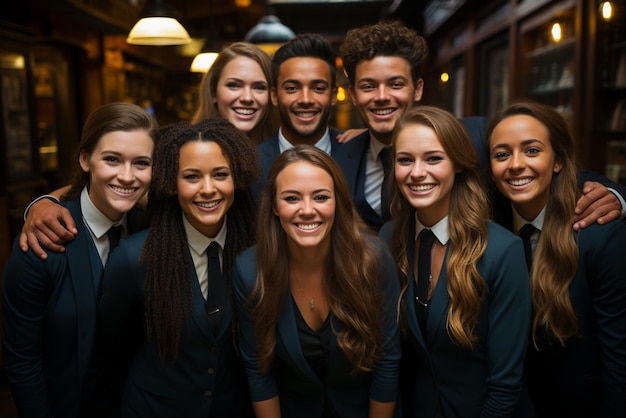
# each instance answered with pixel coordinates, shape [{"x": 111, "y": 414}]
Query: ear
[
  {"x": 558, "y": 166},
  {"x": 273, "y": 96},
  {"x": 334, "y": 96},
  {"x": 419, "y": 90},
  {"x": 352, "y": 95},
  {"x": 83, "y": 160}
]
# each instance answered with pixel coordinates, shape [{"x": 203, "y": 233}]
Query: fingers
[
  {"x": 597, "y": 204},
  {"x": 48, "y": 226}
]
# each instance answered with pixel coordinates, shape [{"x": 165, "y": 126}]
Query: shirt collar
[
  {"x": 519, "y": 222},
  {"x": 199, "y": 242},
  {"x": 323, "y": 143},
  {"x": 376, "y": 147},
  {"x": 95, "y": 220},
  {"x": 440, "y": 229}
]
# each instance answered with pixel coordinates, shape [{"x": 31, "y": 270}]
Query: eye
[
  {"x": 500, "y": 155},
  {"x": 190, "y": 177},
  {"x": 404, "y": 160},
  {"x": 320, "y": 89},
  {"x": 260, "y": 87},
  {"x": 222, "y": 175},
  {"x": 110, "y": 159},
  {"x": 397, "y": 85},
  {"x": 290, "y": 199},
  {"x": 321, "y": 198},
  {"x": 143, "y": 163},
  {"x": 366, "y": 87},
  {"x": 533, "y": 150},
  {"x": 232, "y": 85},
  {"x": 434, "y": 158},
  {"x": 290, "y": 89}
]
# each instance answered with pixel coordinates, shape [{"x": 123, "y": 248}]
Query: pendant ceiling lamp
[
  {"x": 158, "y": 26},
  {"x": 269, "y": 34}
]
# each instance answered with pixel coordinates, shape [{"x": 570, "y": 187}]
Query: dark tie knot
[
  {"x": 525, "y": 233},
  {"x": 427, "y": 238},
  {"x": 213, "y": 250}
]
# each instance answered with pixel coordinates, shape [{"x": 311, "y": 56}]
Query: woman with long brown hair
[
  {"x": 317, "y": 298},
  {"x": 576, "y": 362},
  {"x": 466, "y": 299}
]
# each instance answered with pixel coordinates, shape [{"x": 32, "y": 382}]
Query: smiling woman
[
  {"x": 312, "y": 319},
  {"x": 49, "y": 309}
]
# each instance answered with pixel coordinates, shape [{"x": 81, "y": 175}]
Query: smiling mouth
[
  {"x": 520, "y": 182},
  {"x": 383, "y": 112},
  {"x": 309, "y": 227},
  {"x": 308, "y": 114},
  {"x": 421, "y": 187},
  {"x": 208, "y": 205},
  {"x": 244, "y": 112},
  {"x": 123, "y": 190}
]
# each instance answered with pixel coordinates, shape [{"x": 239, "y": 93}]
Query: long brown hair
[
  {"x": 168, "y": 286},
  {"x": 111, "y": 117},
  {"x": 556, "y": 258},
  {"x": 207, "y": 109},
  {"x": 467, "y": 222},
  {"x": 354, "y": 288}
]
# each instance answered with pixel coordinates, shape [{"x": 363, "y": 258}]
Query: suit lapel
[
  {"x": 84, "y": 266},
  {"x": 439, "y": 306},
  {"x": 199, "y": 314},
  {"x": 411, "y": 314},
  {"x": 287, "y": 332}
]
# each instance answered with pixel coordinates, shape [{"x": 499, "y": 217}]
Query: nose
[
  {"x": 207, "y": 186},
  {"x": 382, "y": 93},
  {"x": 306, "y": 207},
  {"x": 418, "y": 170},
  {"x": 516, "y": 162},
  {"x": 126, "y": 173},
  {"x": 305, "y": 95},
  {"x": 246, "y": 94}
]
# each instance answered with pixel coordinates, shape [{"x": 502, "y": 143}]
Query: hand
[
  {"x": 347, "y": 135},
  {"x": 597, "y": 204},
  {"x": 43, "y": 228}
]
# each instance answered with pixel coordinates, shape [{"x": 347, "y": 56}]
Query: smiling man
[
  {"x": 304, "y": 91},
  {"x": 384, "y": 65}
]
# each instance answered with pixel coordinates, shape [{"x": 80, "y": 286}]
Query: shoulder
[
  {"x": 386, "y": 232},
  {"x": 607, "y": 237},
  {"x": 129, "y": 248},
  {"x": 245, "y": 263},
  {"x": 270, "y": 144},
  {"x": 355, "y": 147},
  {"x": 500, "y": 241}
]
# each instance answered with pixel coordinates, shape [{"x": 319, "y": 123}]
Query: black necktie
[
  {"x": 424, "y": 277},
  {"x": 114, "y": 234},
  {"x": 525, "y": 233},
  {"x": 215, "y": 294},
  {"x": 385, "y": 159}
]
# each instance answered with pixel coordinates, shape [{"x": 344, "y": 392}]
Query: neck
[{"x": 308, "y": 258}]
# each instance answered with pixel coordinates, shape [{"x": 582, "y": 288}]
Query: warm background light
[
  {"x": 445, "y": 77},
  {"x": 607, "y": 10},
  {"x": 556, "y": 32}
]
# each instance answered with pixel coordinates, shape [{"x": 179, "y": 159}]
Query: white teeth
[
  {"x": 421, "y": 188},
  {"x": 383, "y": 112},
  {"x": 208, "y": 205},
  {"x": 244, "y": 111},
  {"x": 520, "y": 182},
  {"x": 306, "y": 114},
  {"x": 308, "y": 227},
  {"x": 124, "y": 190}
]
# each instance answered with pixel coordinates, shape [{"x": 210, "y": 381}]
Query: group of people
[{"x": 283, "y": 268}]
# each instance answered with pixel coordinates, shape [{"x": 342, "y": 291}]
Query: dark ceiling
[{"x": 224, "y": 20}]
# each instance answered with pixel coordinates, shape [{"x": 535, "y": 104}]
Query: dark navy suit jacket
[
  {"x": 301, "y": 392},
  {"x": 587, "y": 377},
  {"x": 268, "y": 151},
  {"x": 49, "y": 315},
  {"x": 464, "y": 383},
  {"x": 208, "y": 378}
]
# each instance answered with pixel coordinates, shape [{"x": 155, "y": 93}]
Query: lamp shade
[
  {"x": 158, "y": 26},
  {"x": 269, "y": 30},
  {"x": 203, "y": 61}
]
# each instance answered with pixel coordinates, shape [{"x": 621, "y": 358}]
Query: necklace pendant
[{"x": 311, "y": 306}]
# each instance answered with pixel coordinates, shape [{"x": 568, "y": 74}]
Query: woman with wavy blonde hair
[
  {"x": 317, "y": 298},
  {"x": 466, "y": 299},
  {"x": 576, "y": 364}
]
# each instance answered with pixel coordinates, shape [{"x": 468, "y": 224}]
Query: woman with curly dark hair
[
  {"x": 317, "y": 299},
  {"x": 178, "y": 274}
]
